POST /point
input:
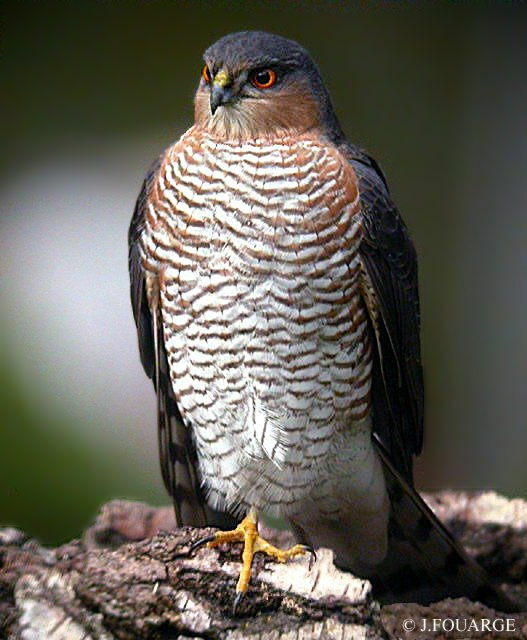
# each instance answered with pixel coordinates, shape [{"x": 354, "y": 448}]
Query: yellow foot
[{"x": 247, "y": 532}]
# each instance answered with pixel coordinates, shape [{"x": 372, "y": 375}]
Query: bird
[{"x": 275, "y": 293}]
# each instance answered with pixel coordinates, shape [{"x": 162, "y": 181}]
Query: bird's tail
[{"x": 424, "y": 562}]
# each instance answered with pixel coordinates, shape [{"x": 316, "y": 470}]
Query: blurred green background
[{"x": 92, "y": 92}]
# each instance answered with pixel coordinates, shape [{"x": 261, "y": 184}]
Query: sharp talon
[
  {"x": 237, "y": 601},
  {"x": 308, "y": 549},
  {"x": 201, "y": 542}
]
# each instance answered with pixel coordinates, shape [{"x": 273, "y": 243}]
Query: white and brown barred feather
[
  {"x": 237, "y": 286},
  {"x": 177, "y": 452}
]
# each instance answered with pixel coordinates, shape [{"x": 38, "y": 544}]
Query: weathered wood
[{"x": 130, "y": 579}]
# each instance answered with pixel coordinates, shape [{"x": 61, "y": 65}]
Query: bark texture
[{"x": 131, "y": 577}]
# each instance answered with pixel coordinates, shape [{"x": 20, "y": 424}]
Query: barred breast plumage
[{"x": 254, "y": 249}]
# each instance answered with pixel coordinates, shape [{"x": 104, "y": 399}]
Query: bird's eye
[
  {"x": 264, "y": 78},
  {"x": 206, "y": 74}
]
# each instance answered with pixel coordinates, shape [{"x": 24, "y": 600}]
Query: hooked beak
[{"x": 221, "y": 92}]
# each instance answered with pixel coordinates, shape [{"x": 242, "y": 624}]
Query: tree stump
[{"x": 131, "y": 577}]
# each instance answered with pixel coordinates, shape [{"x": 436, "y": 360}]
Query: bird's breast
[{"x": 256, "y": 250}]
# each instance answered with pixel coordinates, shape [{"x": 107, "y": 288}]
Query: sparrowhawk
[{"x": 274, "y": 289}]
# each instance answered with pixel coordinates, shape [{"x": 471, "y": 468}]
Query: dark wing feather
[
  {"x": 391, "y": 264},
  {"x": 176, "y": 449},
  {"x": 142, "y": 314}
]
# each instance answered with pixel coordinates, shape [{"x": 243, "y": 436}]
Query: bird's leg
[{"x": 247, "y": 532}]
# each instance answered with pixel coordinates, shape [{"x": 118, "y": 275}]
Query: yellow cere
[{"x": 221, "y": 79}]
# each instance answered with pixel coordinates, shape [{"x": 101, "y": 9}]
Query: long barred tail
[{"x": 425, "y": 563}]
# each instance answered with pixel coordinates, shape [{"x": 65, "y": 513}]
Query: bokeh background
[{"x": 92, "y": 92}]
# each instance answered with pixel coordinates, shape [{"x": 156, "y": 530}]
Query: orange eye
[
  {"x": 264, "y": 78},
  {"x": 206, "y": 74}
]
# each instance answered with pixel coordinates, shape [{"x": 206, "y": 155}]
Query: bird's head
[{"x": 256, "y": 84}]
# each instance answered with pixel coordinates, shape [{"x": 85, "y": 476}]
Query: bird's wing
[
  {"x": 389, "y": 284},
  {"x": 176, "y": 449}
]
